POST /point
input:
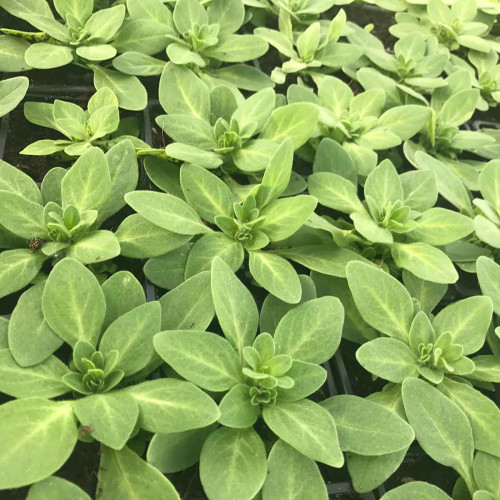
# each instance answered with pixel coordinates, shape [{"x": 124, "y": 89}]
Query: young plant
[
  {"x": 219, "y": 128},
  {"x": 202, "y": 38},
  {"x": 396, "y": 219},
  {"x": 455, "y": 27},
  {"x": 12, "y": 92},
  {"x": 485, "y": 74},
  {"x": 316, "y": 48},
  {"x": 265, "y": 375},
  {"x": 451, "y": 107},
  {"x": 63, "y": 218},
  {"x": 414, "y": 70},
  {"x": 416, "y": 343},
  {"x": 221, "y": 226},
  {"x": 358, "y": 122},
  {"x": 99, "y": 126},
  {"x": 110, "y": 329},
  {"x": 82, "y": 38}
]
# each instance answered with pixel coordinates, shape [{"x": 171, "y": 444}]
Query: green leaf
[
  {"x": 277, "y": 174},
  {"x": 31, "y": 340},
  {"x": 416, "y": 489},
  {"x": 182, "y": 92},
  {"x": 15, "y": 181},
  {"x": 326, "y": 259},
  {"x": 427, "y": 293},
  {"x": 171, "y": 405},
  {"x": 486, "y": 472},
  {"x": 488, "y": 274},
  {"x": 467, "y": 320},
  {"x": 233, "y": 464},
  {"x": 42, "y": 380},
  {"x": 51, "y": 185},
  {"x": 292, "y": 475},
  {"x": 56, "y": 488},
  {"x": 382, "y": 300},
  {"x": 139, "y": 238},
  {"x": 368, "y": 472},
  {"x": 439, "y": 226},
  {"x": 112, "y": 417},
  {"x": 13, "y": 50},
  {"x": 441, "y": 428},
  {"x": 459, "y": 108},
  {"x": 237, "y": 48},
  {"x": 177, "y": 451},
  {"x": 388, "y": 358},
  {"x": 487, "y": 367},
  {"x": 368, "y": 228},
  {"x": 405, "y": 121},
  {"x": 308, "y": 427},
  {"x": 229, "y": 15},
  {"x": 128, "y": 89},
  {"x": 12, "y": 92},
  {"x": 425, "y": 261},
  {"x": 187, "y": 14},
  {"x": 189, "y": 130},
  {"x": 210, "y": 246},
  {"x": 104, "y": 24},
  {"x": 87, "y": 184},
  {"x": 143, "y": 35},
  {"x": 384, "y": 185},
  {"x": 122, "y": 292},
  {"x": 335, "y": 192},
  {"x": 18, "y": 268},
  {"x": 48, "y": 56},
  {"x": 73, "y": 303},
  {"x": 168, "y": 271},
  {"x": 482, "y": 412},
  {"x": 167, "y": 212},
  {"x": 420, "y": 189},
  {"x": 186, "y": 352},
  {"x": 276, "y": 275},
  {"x": 132, "y": 336},
  {"x": 205, "y": 192},
  {"x": 189, "y": 305},
  {"x": 286, "y": 216},
  {"x": 135, "y": 63},
  {"x": 234, "y": 305},
  {"x": 123, "y": 474},
  {"x": 236, "y": 408},
  {"x": 296, "y": 121},
  {"x": 124, "y": 175},
  {"x": 312, "y": 331},
  {"x": 94, "y": 247},
  {"x": 37, "y": 437},
  {"x": 367, "y": 428},
  {"x": 22, "y": 217},
  {"x": 308, "y": 378}
]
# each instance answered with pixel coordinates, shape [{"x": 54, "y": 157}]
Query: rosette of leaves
[
  {"x": 111, "y": 329},
  {"x": 455, "y": 26},
  {"x": 358, "y": 122},
  {"x": 99, "y": 125},
  {"x": 450, "y": 108},
  {"x": 315, "y": 49},
  {"x": 219, "y": 128},
  {"x": 397, "y": 218},
  {"x": 208, "y": 214},
  {"x": 12, "y": 92},
  {"x": 268, "y": 376},
  {"x": 63, "y": 218},
  {"x": 203, "y": 38},
  {"x": 412, "y": 71},
  {"x": 82, "y": 38},
  {"x": 485, "y": 73},
  {"x": 436, "y": 348}
]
